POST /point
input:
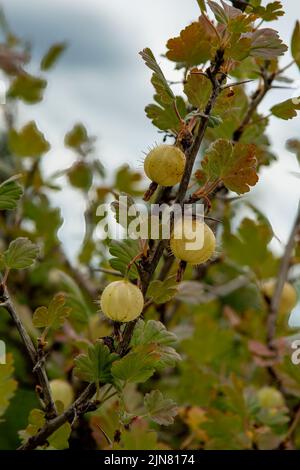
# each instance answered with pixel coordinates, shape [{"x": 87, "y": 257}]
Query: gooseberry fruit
[
  {"x": 165, "y": 165},
  {"x": 122, "y": 301},
  {"x": 269, "y": 397},
  {"x": 192, "y": 241},
  {"x": 62, "y": 391},
  {"x": 288, "y": 298}
]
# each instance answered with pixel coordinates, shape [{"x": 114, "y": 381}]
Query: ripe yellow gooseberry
[
  {"x": 165, "y": 165},
  {"x": 122, "y": 301},
  {"x": 192, "y": 241},
  {"x": 288, "y": 298},
  {"x": 269, "y": 397},
  {"x": 62, "y": 391}
]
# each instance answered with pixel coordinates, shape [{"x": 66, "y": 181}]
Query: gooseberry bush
[{"x": 142, "y": 343}]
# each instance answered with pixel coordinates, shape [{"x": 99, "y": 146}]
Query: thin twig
[
  {"x": 281, "y": 279},
  {"x": 80, "y": 406},
  {"x": 38, "y": 366}
]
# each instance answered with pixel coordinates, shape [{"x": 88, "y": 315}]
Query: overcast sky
[{"x": 102, "y": 82}]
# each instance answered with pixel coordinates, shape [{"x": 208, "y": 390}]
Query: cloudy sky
[{"x": 102, "y": 82}]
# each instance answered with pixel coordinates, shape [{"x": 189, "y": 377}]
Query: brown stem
[
  {"x": 79, "y": 407},
  {"x": 38, "y": 366},
  {"x": 149, "y": 265},
  {"x": 255, "y": 102}
]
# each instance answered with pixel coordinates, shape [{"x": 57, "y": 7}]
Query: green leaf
[
  {"x": 80, "y": 311},
  {"x": 59, "y": 440},
  {"x": 211, "y": 345},
  {"x": 234, "y": 165},
  {"x": 95, "y": 366},
  {"x": 27, "y": 88},
  {"x": 295, "y": 47},
  {"x": 266, "y": 44},
  {"x": 54, "y": 316},
  {"x": 126, "y": 181},
  {"x": 80, "y": 175},
  {"x": 195, "y": 45},
  {"x": 162, "y": 291},
  {"x": 152, "y": 331},
  {"x": 158, "y": 79},
  {"x": 287, "y": 109},
  {"x": 225, "y": 431},
  {"x": 10, "y": 193},
  {"x": 249, "y": 247},
  {"x": 36, "y": 421},
  {"x": 7, "y": 384},
  {"x": 21, "y": 254},
  {"x": 28, "y": 142},
  {"x": 77, "y": 137},
  {"x": 232, "y": 17},
  {"x": 198, "y": 89},
  {"x": 137, "y": 366},
  {"x": 123, "y": 252},
  {"x": 202, "y": 5},
  {"x": 52, "y": 55},
  {"x": 271, "y": 12},
  {"x": 138, "y": 437},
  {"x": 161, "y": 410},
  {"x": 164, "y": 116},
  {"x": 163, "y": 112}
]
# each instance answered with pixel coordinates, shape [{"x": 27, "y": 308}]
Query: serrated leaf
[
  {"x": 36, "y": 421},
  {"x": 162, "y": 291},
  {"x": 59, "y": 440},
  {"x": 74, "y": 299},
  {"x": 161, "y": 410},
  {"x": 137, "y": 366},
  {"x": 287, "y": 109},
  {"x": 10, "y": 193},
  {"x": 158, "y": 79},
  {"x": 198, "y": 89},
  {"x": 271, "y": 12},
  {"x": 52, "y": 55},
  {"x": 27, "y": 88},
  {"x": 138, "y": 437},
  {"x": 195, "y": 45},
  {"x": 152, "y": 331},
  {"x": 28, "y": 142},
  {"x": 164, "y": 116},
  {"x": 123, "y": 253},
  {"x": 232, "y": 17},
  {"x": 54, "y": 316},
  {"x": 7, "y": 384},
  {"x": 249, "y": 247},
  {"x": 21, "y": 254},
  {"x": 225, "y": 431},
  {"x": 95, "y": 366},
  {"x": 295, "y": 46},
  {"x": 266, "y": 44},
  {"x": 163, "y": 112},
  {"x": 234, "y": 165}
]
